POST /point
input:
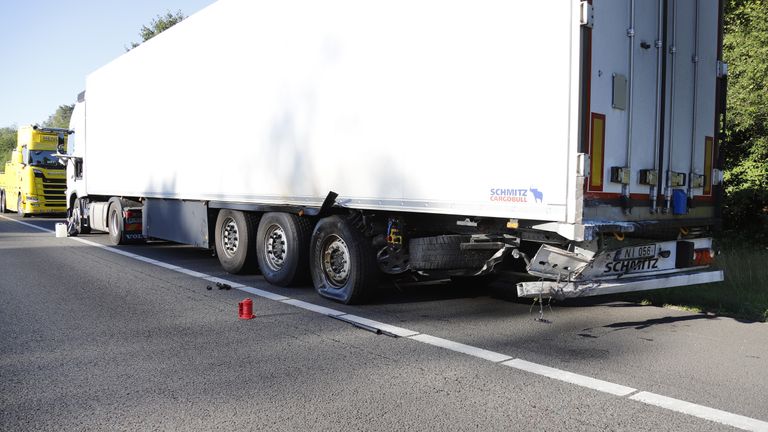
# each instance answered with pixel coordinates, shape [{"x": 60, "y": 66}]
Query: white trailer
[{"x": 573, "y": 140}]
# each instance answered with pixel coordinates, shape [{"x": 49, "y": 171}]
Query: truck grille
[{"x": 54, "y": 191}]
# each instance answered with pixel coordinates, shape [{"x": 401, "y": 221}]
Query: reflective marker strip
[
  {"x": 461, "y": 348},
  {"x": 700, "y": 411},
  {"x": 597, "y": 152},
  {"x": 570, "y": 377},
  {"x": 709, "y": 147}
]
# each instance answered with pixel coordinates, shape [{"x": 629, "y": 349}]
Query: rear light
[
  {"x": 702, "y": 257},
  {"x": 688, "y": 256},
  {"x": 128, "y": 214}
]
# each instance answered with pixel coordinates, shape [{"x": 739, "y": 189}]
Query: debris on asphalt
[{"x": 223, "y": 286}]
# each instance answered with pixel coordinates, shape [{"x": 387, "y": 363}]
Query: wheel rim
[
  {"x": 335, "y": 261},
  {"x": 230, "y": 237},
  {"x": 275, "y": 247},
  {"x": 76, "y": 218},
  {"x": 113, "y": 222}
]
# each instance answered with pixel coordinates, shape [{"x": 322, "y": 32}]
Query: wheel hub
[
  {"x": 230, "y": 238},
  {"x": 275, "y": 247},
  {"x": 336, "y": 261}
]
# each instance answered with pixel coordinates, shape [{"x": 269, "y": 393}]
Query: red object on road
[{"x": 245, "y": 309}]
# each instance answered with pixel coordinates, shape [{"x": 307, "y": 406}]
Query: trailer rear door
[{"x": 649, "y": 123}]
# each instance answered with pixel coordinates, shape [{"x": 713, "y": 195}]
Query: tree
[
  {"x": 60, "y": 118},
  {"x": 7, "y": 144},
  {"x": 158, "y": 25},
  {"x": 745, "y": 149}
]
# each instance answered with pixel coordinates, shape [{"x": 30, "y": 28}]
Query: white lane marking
[
  {"x": 701, "y": 411},
  {"x": 676, "y": 405},
  {"x": 27, "y": 224},
  {"x": 88, "y": 242},
  {"x": 461, "y": 348},
  {"x": 147, "y": 260},
  {"x": 313, "y": 307},
  {"x": 399, "y": 331},
  {"x": 232, "y": 284},
  {"x": 262, "y": 293},
  {"x": 187, "y": 272},
  {"x": 570, "y": 377}
]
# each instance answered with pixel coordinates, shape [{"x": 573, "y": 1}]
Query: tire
[
  {"x": 283, "y": 248},
  {"x": 444, "y": 253},
  {"x": 342, "y": 261},
  {"x": 83, "y": 225},
  {"x": 234, "y": 234},
  {"x": 2, "y": 203},
  {"x": 76, "y": 219},
  {"x": 115, "y": 222},
  {"x": 20, "y": 208}
]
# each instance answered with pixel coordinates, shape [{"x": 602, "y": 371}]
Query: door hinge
[
  {"x": 582, "y": 165},
  {"x": 722, "y": 69},
  {"x": 586, "y": 14},
  {"x": 697, "y": 180},
  {"x": 717, "y": 177}
]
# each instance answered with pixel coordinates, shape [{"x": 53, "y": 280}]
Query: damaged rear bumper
[{"x": 614, "y": 286}]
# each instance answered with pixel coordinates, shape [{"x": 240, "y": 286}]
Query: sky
[{"x": 48, "y": 47}]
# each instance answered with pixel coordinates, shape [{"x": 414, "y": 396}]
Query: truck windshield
[{"x": 43, "y": 158}]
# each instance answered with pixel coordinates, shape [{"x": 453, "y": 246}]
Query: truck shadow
[{"x": 640, "y": 325}]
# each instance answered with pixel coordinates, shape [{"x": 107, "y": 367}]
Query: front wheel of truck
[
  {"x": 20, "y": 207},
  {"x": 79, "y": 221}
]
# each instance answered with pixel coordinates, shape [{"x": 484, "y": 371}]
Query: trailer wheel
[
  {"x": 115, "y": 221},
  {"x": 20, "y": 207},
  {"x": 235, "y": 240},
  {"x": 444, "y": 253},
  {"x": 283, "y": 248},
  {"x": 342, "y": 262}
]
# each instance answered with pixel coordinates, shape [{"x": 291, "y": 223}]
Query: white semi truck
[{"x": 337, "y": 140}]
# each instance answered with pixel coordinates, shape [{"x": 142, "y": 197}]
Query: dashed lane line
[
  {"x": 692, "y": 409},
  {"x": 570, "y": 377},
  {"x": 676, "y": 405}
]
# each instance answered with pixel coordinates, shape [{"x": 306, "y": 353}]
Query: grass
[{"x": 743, "y": 294}]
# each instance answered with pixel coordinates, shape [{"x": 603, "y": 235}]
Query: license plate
[{"x": 635, "y": 252}]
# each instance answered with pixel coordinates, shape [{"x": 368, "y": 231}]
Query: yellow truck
[{"x": 34, "y": 181}]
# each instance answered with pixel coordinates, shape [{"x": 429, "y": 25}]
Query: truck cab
[{"x": 34, "y": 180}]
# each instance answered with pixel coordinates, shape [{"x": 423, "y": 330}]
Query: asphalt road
[{"x": 94, "y": 340}]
